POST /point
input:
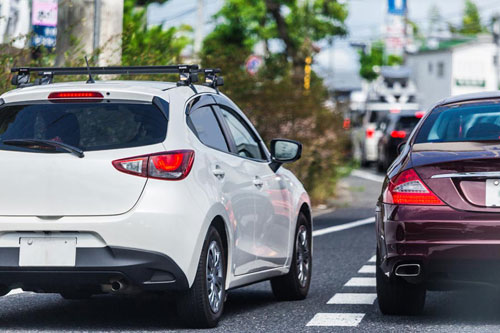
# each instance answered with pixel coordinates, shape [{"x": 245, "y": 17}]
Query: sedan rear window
[
  {"x": 467, "y": 122},
  {"x": 88, "y": 126},
  {"x": 407, "y": 123}
]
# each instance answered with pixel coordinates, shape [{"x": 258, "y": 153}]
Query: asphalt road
[{"x": 341, "y": 264}]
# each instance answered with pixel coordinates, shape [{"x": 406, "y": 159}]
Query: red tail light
[
  {"x": 369, "y": 133},
  {"x": 172, "y": 165},
  {"x": 76, "y": 95},
  {"x": 408, "y": 189},
  {"x": 398, "y": 134},
  {"x": 420, "y": 114}
]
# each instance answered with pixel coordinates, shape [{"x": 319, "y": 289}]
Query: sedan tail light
[
  {"x": 171, "y": 165},
  {"x": 369, "y": 133},
  {"x": 408, "y": 189}
]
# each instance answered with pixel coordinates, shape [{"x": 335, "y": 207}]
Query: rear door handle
[
  {"x": 257, "y": 182},
  {"x": 218, "y": 172}
]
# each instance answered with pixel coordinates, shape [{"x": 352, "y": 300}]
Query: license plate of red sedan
[
  {"x": 493, "y": 192},
  {"x": 47, "y": 252}
]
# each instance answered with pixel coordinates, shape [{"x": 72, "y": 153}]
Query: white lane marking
[
  {"x": 336, "y": 319},
  {"x": 368, "y": 175},
  {"x": 344, "y": 226},
  {"x": 373, "y": 259},
  {"x": 361, "y": 282},
  {"x": 346, "y": 298},
  {"x": 15, "y": 292},
  {"x": 368, "y": 269}
]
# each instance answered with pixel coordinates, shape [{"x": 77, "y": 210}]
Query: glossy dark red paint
[{"x": 455, "y": 244}]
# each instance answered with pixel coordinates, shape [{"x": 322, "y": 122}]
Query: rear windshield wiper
[{"x": 30, "y": 142}]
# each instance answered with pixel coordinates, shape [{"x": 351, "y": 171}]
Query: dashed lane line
[
  {"x": 348, "y": 298},
  {"x": 373, "y": 259},
  {"x": 344, "y": 226},
  {"x": 361, "y": 282},
  {"x": 336, "y": 319},
  {"x": 367, "y": 269}
]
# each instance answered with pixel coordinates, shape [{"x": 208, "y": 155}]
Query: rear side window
[
  {"x": 468, "y": 122},
  {"x": 207, "y": 128},
  {"x": 245, "y": 143},
  {"x": 88, "y": 126}
]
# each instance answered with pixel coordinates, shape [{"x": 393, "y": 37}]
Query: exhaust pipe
[
  {"x": 117, "y": 285},
  {"x": 408, "y": 270}
]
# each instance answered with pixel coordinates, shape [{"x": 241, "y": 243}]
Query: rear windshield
[
  {"x": 468, "y": 122},
  {"x": 407, "y": 123},
  {"x": 88, "y": 126},
  {"x": 377, "y": 116}
]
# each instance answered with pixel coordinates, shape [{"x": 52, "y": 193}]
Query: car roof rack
[{"x": 188, "y": 74}]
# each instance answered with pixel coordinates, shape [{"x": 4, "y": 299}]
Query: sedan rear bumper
[
  {"x": 458, "y": 249},
  {"x": 95, "y": 269}
]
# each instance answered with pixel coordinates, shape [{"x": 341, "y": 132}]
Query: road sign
[
  {"x": 45, "y": 36},
  {"x": 397, "y": 7},
  {"x": 44, "y": 21},
  {"x": 253, "y": 64}
]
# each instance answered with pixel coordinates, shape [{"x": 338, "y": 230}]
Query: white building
[{"x": 453, "y": 67}]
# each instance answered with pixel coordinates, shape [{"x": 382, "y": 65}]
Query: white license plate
[
  {"x": 493, "y": 192},
  {"x": 47, "y": 251}
]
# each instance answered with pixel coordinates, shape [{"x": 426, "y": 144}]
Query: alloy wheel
[
  {"x": 215, "y": 277},
  {"x": 302, "y": 255}
]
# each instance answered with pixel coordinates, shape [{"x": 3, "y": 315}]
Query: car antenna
[{"x": 91, "y": 79}]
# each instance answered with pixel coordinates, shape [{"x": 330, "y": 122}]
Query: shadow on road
[{"x": 51, "y": 312}]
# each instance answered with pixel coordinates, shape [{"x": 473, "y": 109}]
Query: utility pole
[
  {"x": 96, "y": 25},
  {"x": 198, "y": 34}
]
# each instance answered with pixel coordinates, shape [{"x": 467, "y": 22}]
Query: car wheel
[
  {"x": 398, "y": 297},
  {"x": 295, "y": 284},
  {"x": 202, "y": 305}
]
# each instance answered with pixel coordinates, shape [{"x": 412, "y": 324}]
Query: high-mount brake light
[
  {"x": 76, "y": 95},
  {"x": 398, "y": 134},
  {"x": 408, "y": 189},
  {"x": 171, "y": 165}
]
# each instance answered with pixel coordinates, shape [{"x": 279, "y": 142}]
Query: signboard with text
[{"x": 44, "y": 21}]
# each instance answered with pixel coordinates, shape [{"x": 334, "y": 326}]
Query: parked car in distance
[
  {"x": 124, "y": 187},
  {"x": 437, "y": 217},
  {"x": 395, "y": 128}
]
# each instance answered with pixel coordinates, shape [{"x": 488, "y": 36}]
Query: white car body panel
[{"x": 104, "y": 207}]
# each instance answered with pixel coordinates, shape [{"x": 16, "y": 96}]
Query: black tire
[
  {"x": 398, "y": 297},
  {"x": 194, "y": 306},
  {"x": 76, "y": 295},
  {"x": 291, "y": 287}
]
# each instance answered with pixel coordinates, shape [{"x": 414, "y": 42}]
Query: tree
[
  {"x": 471, "y": 21},
  {"x": 149, "y": 46},
  {"x": 376, "y": 57},
  {"x": 275, "y": 98}
]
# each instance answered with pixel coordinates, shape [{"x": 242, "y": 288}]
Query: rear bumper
[
  {"x": 453, "y": 251},
  {"x": 95, "y": 268}
]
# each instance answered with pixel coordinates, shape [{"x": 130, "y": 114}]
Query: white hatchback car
[{"x": 129, "y": 186}]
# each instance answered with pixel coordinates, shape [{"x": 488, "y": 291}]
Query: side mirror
[
  {"x": 284, "y": 151},
  {"x": 401, "y": 146}
]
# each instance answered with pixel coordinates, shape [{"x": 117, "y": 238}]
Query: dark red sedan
[{"x": 438, "y": 217}]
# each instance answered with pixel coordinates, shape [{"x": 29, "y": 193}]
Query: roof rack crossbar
[{"x": 188, "y": 73}]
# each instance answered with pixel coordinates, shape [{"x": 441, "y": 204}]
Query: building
[{"x": 453, "y": 67}]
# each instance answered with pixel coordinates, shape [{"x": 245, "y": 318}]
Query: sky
[{"x": 339, "y": 64}]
